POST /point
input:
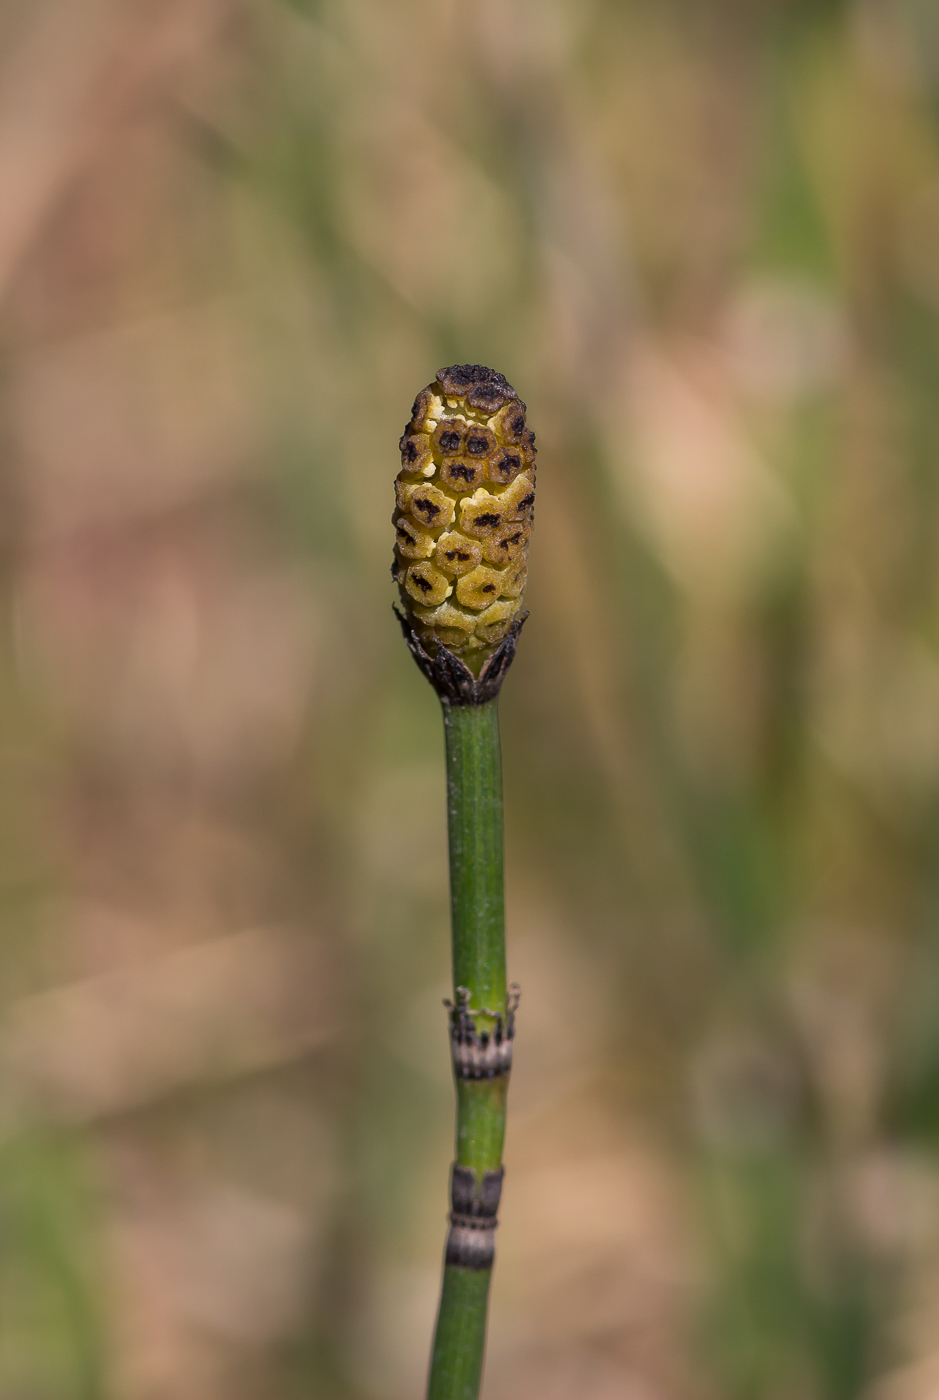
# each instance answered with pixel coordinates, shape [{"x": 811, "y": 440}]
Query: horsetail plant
[{"x": 465, "y": 498}]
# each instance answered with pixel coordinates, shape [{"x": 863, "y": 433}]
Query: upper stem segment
[{"x": 474, "y": 816}]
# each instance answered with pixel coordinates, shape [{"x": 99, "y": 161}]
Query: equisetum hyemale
[
  {"x": 465, "y": 500},
  {"x": 463, "y": 517}
]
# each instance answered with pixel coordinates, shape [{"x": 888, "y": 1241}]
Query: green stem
[
  {"x": 477, "y": 907},
  {"x": 474, "y": 820}
]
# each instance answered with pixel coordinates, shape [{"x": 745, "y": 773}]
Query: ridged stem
[
  {"x": 474, "y": 821},
  {"x": 477, "y": 905}
]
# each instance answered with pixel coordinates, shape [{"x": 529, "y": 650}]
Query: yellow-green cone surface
[{"x": 465, "y": 499}]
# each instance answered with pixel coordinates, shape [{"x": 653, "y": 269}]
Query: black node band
[
  {"x": 471, "y": 1241},
  {"x": 473, "y": 1199},
  {"x": 470, "y": 1247},
  {"x": 481, "y": 1054}
]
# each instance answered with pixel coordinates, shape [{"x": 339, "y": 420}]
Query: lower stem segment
[
  {"x": 481, "y": 1031},
  {"x": 456, "y": 1365}
]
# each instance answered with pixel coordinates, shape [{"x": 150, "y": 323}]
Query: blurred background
[{"x": 701, "y": 237}]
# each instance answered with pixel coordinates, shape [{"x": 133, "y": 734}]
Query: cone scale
[{"x": 463, "y": 515}]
